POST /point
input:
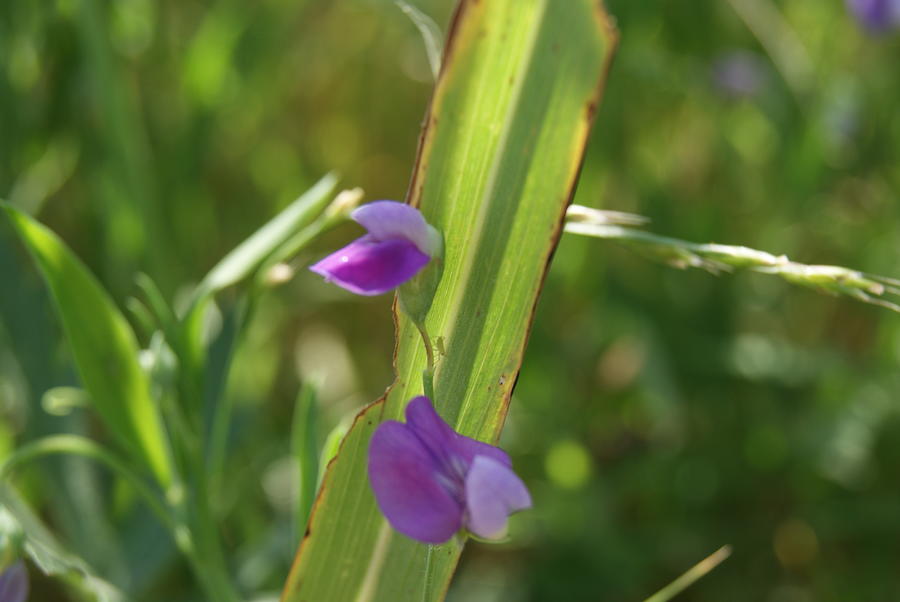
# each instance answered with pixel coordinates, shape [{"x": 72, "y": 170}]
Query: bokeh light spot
[{"x": 568, "y": 464}]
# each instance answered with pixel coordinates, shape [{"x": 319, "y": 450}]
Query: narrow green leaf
[
  {"x": 716, "y": 258},
  {"x": 306, "y": 453},
  {"x": 337, "y": 212},
  {"x": 332, "y": 444},
  {"x": 430, "y": 32},
  {"x": 84, "y": 447},
  {"x": 692, "y": 575},
  {"x": 498, "y": 162},
  {"x": 146, "y": 323},
  {"x": 217, "y": 406},
  {"x": 242, "y": 262},
  {"x": 49, "y": 556},
  {"x": 253, "y": 252},
  {"x": 104, "y": 348},
  {"x": 156, "y": 303}
]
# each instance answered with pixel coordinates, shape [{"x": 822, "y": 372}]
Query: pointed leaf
[
  {"x": 244, "y": 259},
  {"x": 103, "y": 345},
  {"x": 498, "y": 161}
]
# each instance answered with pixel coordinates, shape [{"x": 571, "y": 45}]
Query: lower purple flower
[
  {"x": 430, "y": 481},
  {"x": 14, "y": 583},
  {"x": 399, "y": 244}
]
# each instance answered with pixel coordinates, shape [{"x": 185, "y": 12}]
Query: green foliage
[
  {"x": 253, "y": 253},
  {"x": 305, "y": 451},
  {"x": 431, "y": 34},
  {"x": 120, "y": 389},
  {"x": 39, "y": 545},
  {"x": 699, "y": 410},
  {"x": 104, "y": 347}
]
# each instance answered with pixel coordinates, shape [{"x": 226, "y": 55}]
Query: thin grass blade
[
  {"x": 253, "y": 252},
  {"x": 692, "y": 575}
]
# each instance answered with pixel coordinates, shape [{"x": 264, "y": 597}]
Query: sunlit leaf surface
[{"x": 498, "y": 160}]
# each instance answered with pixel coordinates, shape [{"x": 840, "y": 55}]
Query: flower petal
[
  {"x": 876, "y": 15},
  {"x": 427, "y": 424},
  {"x": 470, "y": 449},
  {"x": 370, "y": 267},
  {"x": 405, "y": 479},
  {"x": 444, "y": 441},
  {"x": 386, "y": 220},
  {"x": 14, "y": 583},
  {"x": 493, "y": 492}
]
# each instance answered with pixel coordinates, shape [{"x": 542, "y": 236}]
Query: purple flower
[
  {"x": 430, "y": 481},
  {"x": 739, "y": 74},
  {"x": 399, "y": 244},
  {"x": 14, "y": 583},
  {"x": 876, "y": 15}
]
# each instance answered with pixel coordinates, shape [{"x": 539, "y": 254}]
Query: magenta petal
[
  {"x": 431, "y": 428},
  {"x": 14, "y": 584},
  {"x": 389, "y": 219},
  {"x": 429, "y": 480},
  {"x": 493, "y": 492},
  {"x": 371, "y": 267},
  {"x": 404, "y": 475},
  {"x": 427, "y": 424}
]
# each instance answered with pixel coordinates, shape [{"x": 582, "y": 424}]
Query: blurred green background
[{"x": 659, "y": 415}]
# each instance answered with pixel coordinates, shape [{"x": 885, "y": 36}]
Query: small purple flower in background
[
  {"x": 876, "y": 15},
  {"x": 430, "y": 481},
  {"x": 14, "y": 583},
  {"x": 399, "y": 244},
  {"x": 739, "y": 74}
]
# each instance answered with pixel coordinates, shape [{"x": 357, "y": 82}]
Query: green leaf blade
[
  {"x": 498, "y": 161},
  {"x": 244, "y": 259},
  {"x": 104, "y": 348}
]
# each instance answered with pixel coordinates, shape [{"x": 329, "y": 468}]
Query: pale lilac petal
[
  {"x": 386, "y": 220},
  {"x": 444, "y": 441},
  {"x": 493, "y": 492},
  {"x": 370, "y": 267},
  {"x": 406, "y": 480},
  {"x": 14, "y": 583},
  {"x": 470, "y": 448}
]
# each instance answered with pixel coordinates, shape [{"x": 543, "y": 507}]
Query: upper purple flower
[
  {"x": 14, "y": 583},
  {"x": 876, "y": 15},
  {"x": 430, "y": 481},
  {"x": 399, "y": 244}
]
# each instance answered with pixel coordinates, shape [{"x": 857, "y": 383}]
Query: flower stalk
[
  {"x": 426, "y": 587},
  {"x": 428, "y": 372}
]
